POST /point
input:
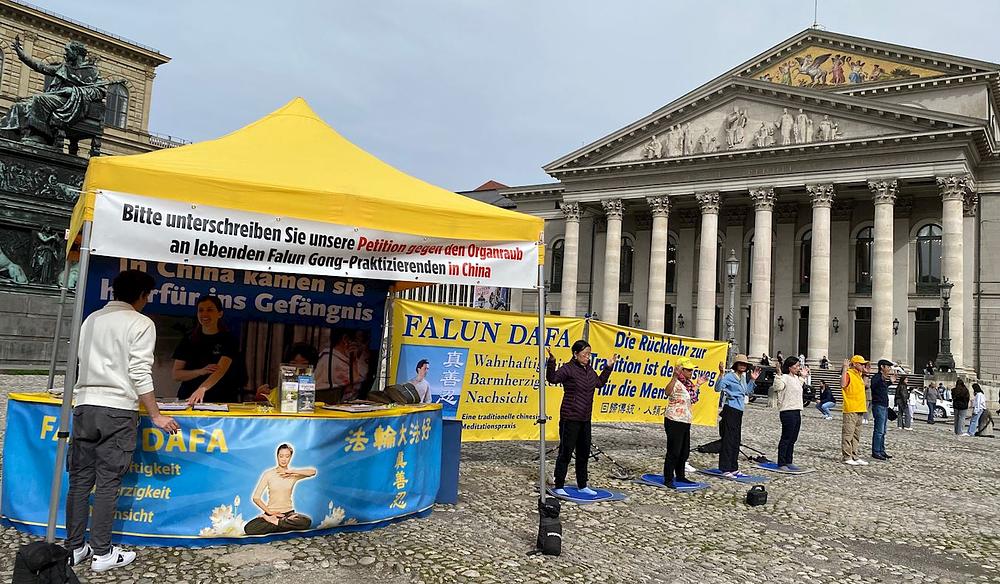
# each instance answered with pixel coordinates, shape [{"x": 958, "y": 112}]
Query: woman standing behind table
[
  {"x": 579, "y": 380},
  {"x": 788, "y": 388},
  {"x": 206, "y": 362},
  {"x": 682, "y": 393}
]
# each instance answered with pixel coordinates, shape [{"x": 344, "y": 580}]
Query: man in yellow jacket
[{"x": 853, "y": 385}]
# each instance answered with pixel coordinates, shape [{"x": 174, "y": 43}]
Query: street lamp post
[
  {"x": 732, "y": 270},
  {"x": 945, "y": 361}
]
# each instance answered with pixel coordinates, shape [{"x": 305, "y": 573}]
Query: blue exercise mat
[
  {"x": 655, "y": 480},
  {"x": 745, "y": 479},
  {"x": 773, "y": 467},
  {"x": 574, "y": 495}
]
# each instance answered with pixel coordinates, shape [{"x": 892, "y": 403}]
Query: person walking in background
[
  {"x": 682, "y": 393},
  {"x": 943, "y": 392},
  {"x": 826, "y": 400},
  {"x": 960, "y": 403},
  {"x": 579, "y": 380},
  {"x": 735, "y": 386},
  {"x": 880, "y": 407},
  {"x": 930, "y": 397},
  {"x": 788, "y": 388},
  {"x": 978, "y": 407},
  {"x": 904, "y": 418},
  {"x": 853, "y": 384}
]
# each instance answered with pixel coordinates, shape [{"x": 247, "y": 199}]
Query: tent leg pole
[
  {"x": 59, "y": 318},
  {"x": 387, "y": 339},
  {"x": 541, "y": 382},
  {"x": 67, "y": 403}
]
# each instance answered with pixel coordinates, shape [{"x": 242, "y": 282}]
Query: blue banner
[
  {"x": 208, "y": 483},
  {"x": 249, "y": 296}
]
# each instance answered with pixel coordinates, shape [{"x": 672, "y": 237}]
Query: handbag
[
  {"x": 757, "y": 495},
  {"x": 892, "y": 415}
]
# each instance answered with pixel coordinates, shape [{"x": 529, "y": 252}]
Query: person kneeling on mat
[
  {"x": 682, "y": 393},
  {"x": 579, "y": 380},
  {"x": 788, "y": 388},
  {"x": 735, "y": 386}
]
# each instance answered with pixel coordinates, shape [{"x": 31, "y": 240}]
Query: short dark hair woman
[
  {"x": 579, "y": 380},
  {"x": 788, "y": 388},
  {"x": 207, "y": 362}
]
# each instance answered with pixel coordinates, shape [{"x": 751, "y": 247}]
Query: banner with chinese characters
[
  {"x": 646, "y": 361},
  {"x": 481, "y": 365},
  {"x": 210, "y": 483}
]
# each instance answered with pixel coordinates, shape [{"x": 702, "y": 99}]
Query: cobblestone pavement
[{"x": 931, "y": 514}]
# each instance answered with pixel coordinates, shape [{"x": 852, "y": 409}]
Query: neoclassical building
[{"x": 848, "y": 176}]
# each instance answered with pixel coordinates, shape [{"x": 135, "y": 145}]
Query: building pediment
[{"x": 745, "y": 114}]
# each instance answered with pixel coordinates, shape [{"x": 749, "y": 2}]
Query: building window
[
  {"x": 671, "y": 264},
  {"x": 747, "y": 267},
  {"x": 864, "y": 249},
  {"x": 625, "y": 275},
  {"x": 116, "y": 108},
  {"x": 555, "y": 282},
  {"x": 929, "y": 258},
  {"x": 805, "y": 260}
]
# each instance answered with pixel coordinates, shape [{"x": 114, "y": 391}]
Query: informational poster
[{"x": 128, "y": 225}]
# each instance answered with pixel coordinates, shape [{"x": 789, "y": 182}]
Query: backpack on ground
[{"x": 43, "y": 563}]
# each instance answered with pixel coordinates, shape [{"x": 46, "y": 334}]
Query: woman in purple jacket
[{"x": 579, "y": 380}]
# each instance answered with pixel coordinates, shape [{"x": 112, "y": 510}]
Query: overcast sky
[{"x": 459, "y": 92}]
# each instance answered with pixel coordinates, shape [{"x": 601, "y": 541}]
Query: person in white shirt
[
  {"x": 788, "y": 388},
  {"x": 115, "y": 376},
  {"x": 420, "y": 381}
]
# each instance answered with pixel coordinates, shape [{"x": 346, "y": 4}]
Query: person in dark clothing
[
  {"x": 826, "y": 400},
  {"x": 905, "y": 415},
  {"x": 960, "y": 402},
  {"x": 579, "y": 380},
  {"x": 207, "y": 362},
  {"x": 880, "y": 407}
]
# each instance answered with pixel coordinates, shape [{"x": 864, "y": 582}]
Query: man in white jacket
[{"x": 116, "y": 363}]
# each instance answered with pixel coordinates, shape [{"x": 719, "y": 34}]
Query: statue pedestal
[{"x": 38, "y": 188}]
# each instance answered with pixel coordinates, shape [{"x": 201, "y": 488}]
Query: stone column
[
  {"x": 656, "y": 294},
  {"x": 760, "y": 291},
  {"x": 902, "y": 345},
  {"x": 953, "y": 190},
  {"x": 884, "y": 192},
  {"x": 612, "y": 259},
  {"x": 971, "y": 203},
  {"x": 571, "y": 255},
  {"x": 841, "y": 260},
  {"x": 147, "y": 97},
  {"x": 818, "y": 343},
  {"x": 704, "y": 321},
  {"x": 785, "y": 281},
  {"x": 687, "y": 222}
]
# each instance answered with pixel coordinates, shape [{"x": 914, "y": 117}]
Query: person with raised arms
[
  {"x": 735, "y": 386},
  {"x": 682, "y": 393},
  {"x": 579, "y": 380},
  {"x": 788, "y": 388},
  {"x": 853, "y": 386}
]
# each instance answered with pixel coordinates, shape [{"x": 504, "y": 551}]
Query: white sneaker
[
  {"x": 861, "y": 462},
  {"x": 82, "y": 554},
  {"x": 828, "y": 417},
  {"x": 588, "y": 491},
  {"x": 851, "y": 462},
  {"x": 116, "y": 558},
  {"x": 689, "y": 468}
]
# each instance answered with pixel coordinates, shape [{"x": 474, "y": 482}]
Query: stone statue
[
  {"x": 706, "y": 142},
  {"x": 45, "y": 258},
  {"x": 825, "y": 129},
  {"x": 801, "y": 121},
  {"x": 735, "y": 123},
  {"x": 688, "y": 140},
  {"x": 809, "y": 131},
  {"x": 674, "y": 139},
  {"x": 785, "y": 125},
  {"x": 762, "y": 138},
  {"x": 75, "y": 85},
  {"x": 14, "y": 272},
  {"x": 652, "y": 149}
]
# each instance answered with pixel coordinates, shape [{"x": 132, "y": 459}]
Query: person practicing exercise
[
  {"x": 579, "y": 380},
  {"x": 788, "y": 388},
  {"x": 735, "y": 386},
  {"x": 279, "y": 512},
  {"x": 852, "y": 384},
  {"x": 682, "y": 393}
]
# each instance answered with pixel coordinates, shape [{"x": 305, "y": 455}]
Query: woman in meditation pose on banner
[
  {"x": 788, "y": 389},
  {"x": 682, "y": 393},
  {"x": 207, "y": 362},
  {"x": 579, "y": 380},
  {"x": 279, "y": 512}
]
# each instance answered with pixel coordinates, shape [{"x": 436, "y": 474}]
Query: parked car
[
  {"x": 918, "y": 405},
  {"x": 766, "y": 380}
]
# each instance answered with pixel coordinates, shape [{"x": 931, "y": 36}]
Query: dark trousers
[
  {"x": 731, "y": 430},
  {"x": 678, "y": 449},
  {"x": 574, "y": 436},
  {"x": 291, "y": 521},
  {"x": 99, "y": 456},
  {"x": 791, "y": 422}
]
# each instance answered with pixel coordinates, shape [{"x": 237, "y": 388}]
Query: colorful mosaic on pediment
[{"x": 819, "y": 66}]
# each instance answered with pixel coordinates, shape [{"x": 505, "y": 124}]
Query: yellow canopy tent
[{"x": 289, "y": 164}]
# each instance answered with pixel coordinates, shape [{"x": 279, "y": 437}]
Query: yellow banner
[
  {"x": 482, "y": 365},
  {"x": 646, "y": 360}
]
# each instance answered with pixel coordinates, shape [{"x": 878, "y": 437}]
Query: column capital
[
  {"x": 883, "y": 191},
  {"x": 787, "y": 212},
  {"x": 709, "y": 202},
  {"x": 687, "y": 218},
  {"x": 659, "y": 206},
  {"x": 969, "y": 203},
  {"x": 571, "y": 211},
  {"x": 822, "y": 194},
  {"x": 613, "y": 208},
  {"x": 954, "y": 188},
  {"x": 763, "y": 198}
]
